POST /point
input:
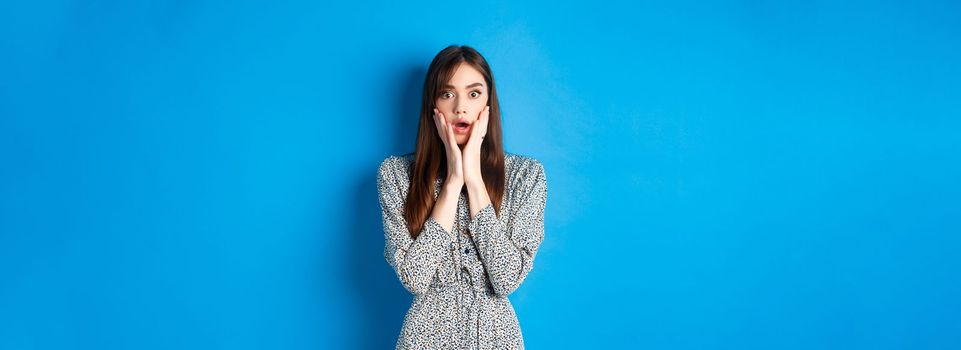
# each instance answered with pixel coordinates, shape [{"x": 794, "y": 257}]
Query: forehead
[{"x": 466, "y": 74}]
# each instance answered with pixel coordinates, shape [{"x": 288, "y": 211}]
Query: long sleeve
[
  {"x": 414, "y": 260},
  {"x": 508, "y": 252}
]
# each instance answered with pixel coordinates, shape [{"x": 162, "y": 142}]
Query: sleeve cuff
[
  {"x": 485, "y": 220},
  {"x": 434, "y": 231}
]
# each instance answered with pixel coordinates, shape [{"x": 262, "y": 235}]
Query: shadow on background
[{"x": 384, "y": 299}]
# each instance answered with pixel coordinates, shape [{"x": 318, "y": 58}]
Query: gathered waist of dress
[{"x": 460, "y": 287}]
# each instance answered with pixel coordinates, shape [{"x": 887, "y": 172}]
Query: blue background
[{"x": 739, "y": 175}]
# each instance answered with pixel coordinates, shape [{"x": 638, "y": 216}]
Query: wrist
[
  {"x": 476, "y": 185},
  {"x": 454, "y": 184}
]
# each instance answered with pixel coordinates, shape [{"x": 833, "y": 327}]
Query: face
[{"x": 462, "y": 99}]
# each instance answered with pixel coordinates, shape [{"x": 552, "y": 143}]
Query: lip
[{"x": 461, "y": 130}]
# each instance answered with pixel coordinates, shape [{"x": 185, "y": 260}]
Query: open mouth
[{"x": 461, "y": 127}]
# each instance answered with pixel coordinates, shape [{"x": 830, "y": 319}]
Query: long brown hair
[{"x": 430, "y": 159}]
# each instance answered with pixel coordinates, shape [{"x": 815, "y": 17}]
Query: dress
[{"x": 461, "y": 282}]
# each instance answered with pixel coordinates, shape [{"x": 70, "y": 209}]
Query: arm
[
  {"x": 508, "y": 252},
  {"x": 414, "y": 260}
]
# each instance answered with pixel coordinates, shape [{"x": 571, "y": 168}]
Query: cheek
[
  {"x": 475, "y": 107},
  {"x": 444, "y": 107}
]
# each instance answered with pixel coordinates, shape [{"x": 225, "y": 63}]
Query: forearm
[
  {"x": 445, "y": 209},
  {"x": 477, "y": 196}
]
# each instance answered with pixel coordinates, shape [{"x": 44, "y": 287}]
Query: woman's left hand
[{"x": 471, "y": 151}]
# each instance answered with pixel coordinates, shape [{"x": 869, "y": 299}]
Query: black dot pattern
[{"x": 461, "y": 279}]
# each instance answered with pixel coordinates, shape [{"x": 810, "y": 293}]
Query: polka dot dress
[{"x": 461, "y": 279}]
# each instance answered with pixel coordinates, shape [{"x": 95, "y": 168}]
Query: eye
[
  {"x": 477, "y": 92},
  {"x": 445, "y": 93}
]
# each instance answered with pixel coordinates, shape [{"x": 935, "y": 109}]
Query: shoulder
[
  {"x": 518, "y": 166},
  {"x": 394, "y": 166}
]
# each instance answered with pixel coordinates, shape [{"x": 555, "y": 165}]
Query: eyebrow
[{"x": 466, "y": 87}]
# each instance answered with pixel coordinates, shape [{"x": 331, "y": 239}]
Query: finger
[
  {"x": 440, "y": 125},
  {"x": 485, "y": 121},
  {"x": 440, "y": 130},
  {"x": 447, "y": 130},
  {"x": 451, "y": 138},
  {"x": 480, "y": 127}
]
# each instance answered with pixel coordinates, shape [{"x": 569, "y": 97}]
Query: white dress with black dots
[{"x": 461, "y": 281}]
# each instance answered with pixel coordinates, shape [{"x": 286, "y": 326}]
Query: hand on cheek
[
  {"x": 471, "y": 150},
  {"x": 455, "y": 167}
]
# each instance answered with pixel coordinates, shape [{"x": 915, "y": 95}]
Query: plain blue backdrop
[{"x": 736, "y": 175}]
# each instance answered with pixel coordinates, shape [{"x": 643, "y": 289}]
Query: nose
[{"x": 461, "y": 109}]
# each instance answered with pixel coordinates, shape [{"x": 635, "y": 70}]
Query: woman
[{"x": 462, "y": 218}]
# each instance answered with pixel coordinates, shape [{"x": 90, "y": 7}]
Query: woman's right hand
[{"x": 455, "y": 162}]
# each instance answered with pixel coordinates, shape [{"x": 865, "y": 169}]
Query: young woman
[{"x": 462, "y": 218}]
